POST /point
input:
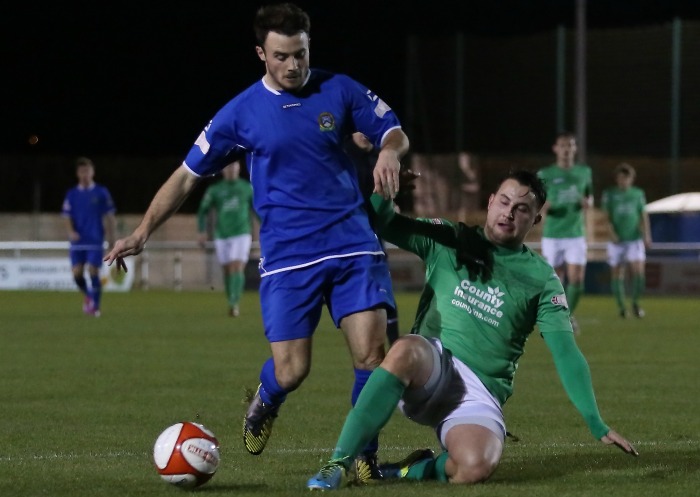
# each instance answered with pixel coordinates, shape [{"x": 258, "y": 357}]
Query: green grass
[{"x": 82, "y": 401}]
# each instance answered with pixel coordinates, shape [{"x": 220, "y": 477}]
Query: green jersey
[
  {"x": 566, "y": 189},
  {"x": 485, "y": 324},
  {"x": 625, "y": 209},
  {"x": 233, "y": 202}
]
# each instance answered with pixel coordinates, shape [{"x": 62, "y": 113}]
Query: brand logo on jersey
[
  {"x": 287, "y": 106},
  {"x": 483, "y": 301},
  {"x": 560, "y": 300},
  {"x": 326, "y": 121}
]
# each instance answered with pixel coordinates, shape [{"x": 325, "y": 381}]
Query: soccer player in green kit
[
  {"x": 569, "y": 198},
  {"x": 232, "y": 200},
  {"x": 485, "y": 291},
  {"x": 630, "y": 236}
]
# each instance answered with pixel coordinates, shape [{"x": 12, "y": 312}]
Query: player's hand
[
  {"x": 131, "y": 245},
  {"x": 202, "y": 240},
  {"x": 407, "y": 179},
  {"x": 386, "y": 174},
  {"x": 614, "y": 438}
]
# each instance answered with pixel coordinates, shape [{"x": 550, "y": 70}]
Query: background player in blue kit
[
  {"x": 317, "y": 245},
  {"x": 89, "y": 213}
]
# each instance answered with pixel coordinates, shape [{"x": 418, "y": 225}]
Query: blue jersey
[
  {"x": 86, "y": 207},
  {"x": 305, "y": 187}
]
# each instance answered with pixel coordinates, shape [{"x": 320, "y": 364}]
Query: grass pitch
[{"x": 82, "y": 401}]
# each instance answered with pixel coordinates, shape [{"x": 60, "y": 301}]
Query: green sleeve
[
  {"x": 384, "y": 210},
  {"x": 576, "y": 377},
  {"x": 203, "y": 210},
  {"x": 414, "y": 235}
]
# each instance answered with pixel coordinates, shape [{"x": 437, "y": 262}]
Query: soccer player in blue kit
[
  {"x": 317, "y": 245},
  {"x": 88, "y": 210}
]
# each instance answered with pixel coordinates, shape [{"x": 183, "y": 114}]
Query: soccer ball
[{"x": 186, "y": 454}]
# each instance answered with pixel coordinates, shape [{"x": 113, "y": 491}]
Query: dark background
[
  {"x": 128, "y": 78},
  {"x": 131, "y": 85}
]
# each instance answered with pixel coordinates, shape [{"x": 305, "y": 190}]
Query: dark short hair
[
  {"x": 284, "y": 18},
  {"x": 565, "y": 134},
  {"x": 625, "y": 169},
  {"x": 530, "y": 179},
  {"x": 83, "y": 161}
]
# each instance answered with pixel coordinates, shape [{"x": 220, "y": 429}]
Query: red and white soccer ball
[{"x": 186, "y": 454}]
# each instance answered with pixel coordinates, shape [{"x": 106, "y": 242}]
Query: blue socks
[{"x": 271, "y": 392}]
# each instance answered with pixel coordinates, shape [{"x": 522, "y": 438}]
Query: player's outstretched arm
[
  {"x": 575, "y": 376},
  {"x": 166, "y": 202},
  {"x": 614, "y": 438},
  {"x": 386, "y": 170}
]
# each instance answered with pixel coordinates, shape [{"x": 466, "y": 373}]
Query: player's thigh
[
  {"x": 553, "y": 252},
  {"x": 615, "y": 254},
  {"x": 636, "y": 252},
  {"x": 235, "y": 248},
  {"x": 78, "y": 259},
  {"x": 291, "y": 303},
  {"x": 94, "y": 261},
  {"x": 575, "y": 250},
  {"x": 358, "y": 284}
]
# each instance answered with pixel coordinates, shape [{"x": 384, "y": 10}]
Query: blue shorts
[
  {"x": 90, "y": 256},
  {"x": 292, "y": 301}
]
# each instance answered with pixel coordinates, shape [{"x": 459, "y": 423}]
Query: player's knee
[
  {"x": 473, "y": 471},
  {"x": 369, "y": 358},
  {"x": 408, "y": 352}
]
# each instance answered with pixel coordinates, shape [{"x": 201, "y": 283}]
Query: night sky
[{"x": 127, "y": 78}]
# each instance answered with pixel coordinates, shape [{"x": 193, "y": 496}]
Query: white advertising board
[{"x": 54, "y": 273}]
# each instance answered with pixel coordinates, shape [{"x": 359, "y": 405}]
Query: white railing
[{"x": 176, "y": 260}]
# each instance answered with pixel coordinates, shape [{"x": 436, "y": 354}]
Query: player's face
[
  {"x": 565, "y": 150},
  {"x": 512, "y": 212},
  {"x": 624, "y": 181},
  {"x": 286, "y": 60},
  {"x": 232, "y": 171},
  {"x": 85, "y": 174}
]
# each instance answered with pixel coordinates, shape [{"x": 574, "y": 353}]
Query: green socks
[
  {"x": 638, "y": 285},
  {"x": 429, "y": 470},
  {"x": 372, "y": 411},
  {"x": 618, "y": 290},
  {"x": 234, "y": 284},
  {"x": 573, "y": 295}
]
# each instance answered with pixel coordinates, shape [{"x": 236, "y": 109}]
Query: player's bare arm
[
  {"x": 386, "y": 171},
  {"x": 166, "y": 202}
]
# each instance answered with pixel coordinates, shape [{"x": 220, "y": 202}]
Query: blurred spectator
[{"x": 469, "y": 187}]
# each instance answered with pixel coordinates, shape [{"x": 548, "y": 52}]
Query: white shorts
[
  {"x": 622, "y": 252},
  {"x": 452, "y": 396},
  {"x": 236, "y": 248},
  {"x": 558, "y": 251}
]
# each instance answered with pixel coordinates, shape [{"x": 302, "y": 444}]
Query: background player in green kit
[
  {"x": 485, "y": 291},
  {"x": 569, "y": 198},
  {"x": 232, "y": 200},
  {"x": 629, "y": 234}
]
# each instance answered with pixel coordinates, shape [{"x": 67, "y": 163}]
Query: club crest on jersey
[
  {"x": 326, "y": 121},
  {"x": 560, "y": 300}
]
